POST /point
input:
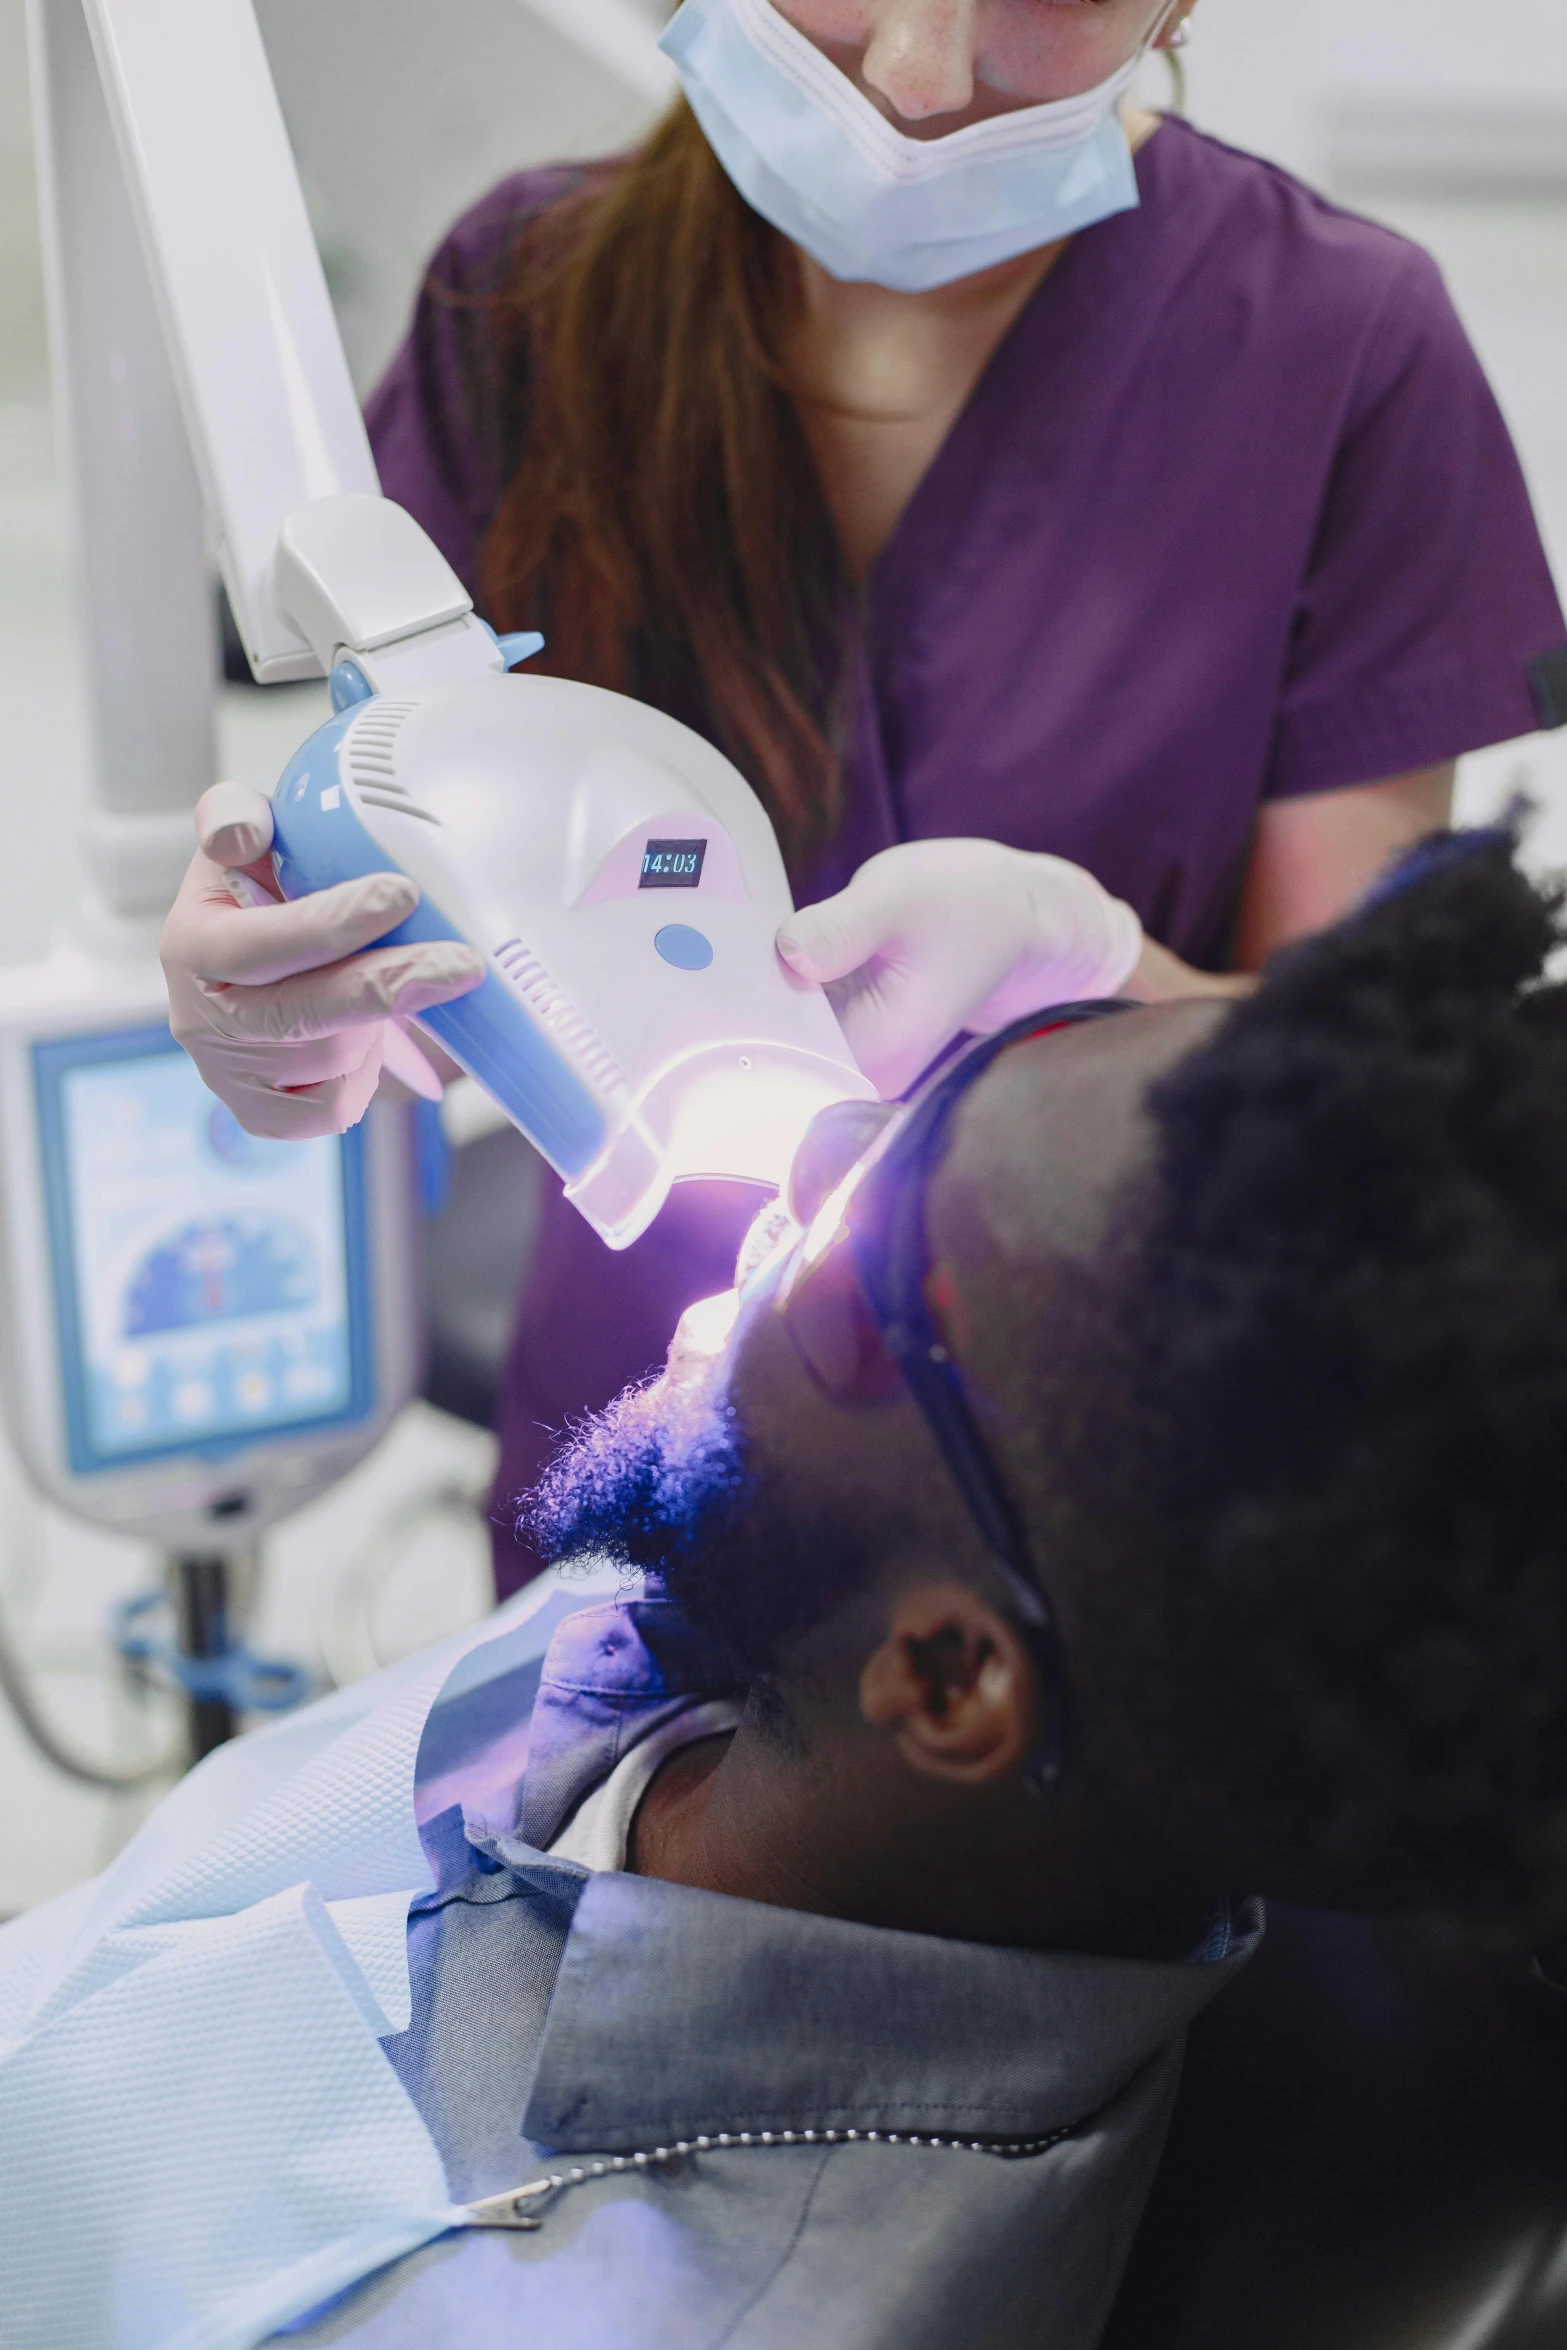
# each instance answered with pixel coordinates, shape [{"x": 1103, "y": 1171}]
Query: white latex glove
[
  {"x": 937, "y": 936},
  {"x": 287, "y": 1019}
]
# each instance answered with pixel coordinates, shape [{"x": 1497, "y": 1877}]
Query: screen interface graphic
[
  {"x": 208, "y": 1274},
  {"x": 672, "y": 864}
]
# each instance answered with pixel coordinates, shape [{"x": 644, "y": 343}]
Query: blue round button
[{"x": 686, "y": 948}]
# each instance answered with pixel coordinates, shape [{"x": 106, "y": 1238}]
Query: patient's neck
[{"x": 846, "y": 1830}]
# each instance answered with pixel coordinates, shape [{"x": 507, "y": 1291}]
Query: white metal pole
[
  {"x": 271, "y": 410},
  {"x": 144, "y": 587}
]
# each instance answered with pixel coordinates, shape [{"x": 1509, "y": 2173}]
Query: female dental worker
[{"x": 969, "y": 453}]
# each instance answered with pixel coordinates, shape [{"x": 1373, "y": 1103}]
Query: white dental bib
[{"x": 200, "y": 2138}]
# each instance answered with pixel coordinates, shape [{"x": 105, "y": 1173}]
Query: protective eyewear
[{"x": 870, "y": 1319}]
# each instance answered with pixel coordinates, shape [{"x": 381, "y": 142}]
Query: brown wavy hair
[{"x": 665, "y": 526}]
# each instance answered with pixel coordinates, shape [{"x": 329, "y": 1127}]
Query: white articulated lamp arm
[{"x": 312, "y": 556}]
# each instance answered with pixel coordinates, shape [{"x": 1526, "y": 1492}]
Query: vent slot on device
[
  {"x": 558, "y": 1017},
  {"x": 372, "y": 759},
  {"x": 398, "y": 802}
]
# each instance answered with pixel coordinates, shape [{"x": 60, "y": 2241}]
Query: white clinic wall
[
  {"x": 1273, "y": 75},
  {"x": 403, "y": 114},
  {"x": 1517, "y": 50},
  {"x": 23, "y": 369}
]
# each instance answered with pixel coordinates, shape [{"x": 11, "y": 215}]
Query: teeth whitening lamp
[
  {"x": 625, "y": 886},
  {"x": 619, "y": 877}
]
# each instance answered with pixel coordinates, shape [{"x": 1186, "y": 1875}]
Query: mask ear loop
[
  {"x": 1182, "y": 33},
  {"x": 1175, "y": 62},
  {"x": 1177, "y": 41}
]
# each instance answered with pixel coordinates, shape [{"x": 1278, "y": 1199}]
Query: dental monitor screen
[{"x": 209, "y": 1288}]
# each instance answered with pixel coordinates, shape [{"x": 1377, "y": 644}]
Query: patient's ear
[{"x": 954, "y": 1684}]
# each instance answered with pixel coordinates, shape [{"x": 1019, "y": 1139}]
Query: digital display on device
[
  {"x": 672, "y": 864},
  {"x": 209, "y": 1288}
]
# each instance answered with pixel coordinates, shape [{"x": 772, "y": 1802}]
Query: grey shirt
[{"x": 561, "y": 2017}]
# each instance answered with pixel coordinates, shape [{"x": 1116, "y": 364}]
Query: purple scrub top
[{"x": 1231, "y": 516}]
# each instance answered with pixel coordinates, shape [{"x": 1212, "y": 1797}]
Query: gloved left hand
[
  {"x": 291, "y": 1011},
  {"x": 937, "y": 936}
]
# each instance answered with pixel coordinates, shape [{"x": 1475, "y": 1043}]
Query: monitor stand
[
  {"x": 186, "y": 1631},
  {"x": 201, "y": 1607}
]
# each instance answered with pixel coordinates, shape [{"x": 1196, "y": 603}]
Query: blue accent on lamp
[{"x": 686, "y": 948}]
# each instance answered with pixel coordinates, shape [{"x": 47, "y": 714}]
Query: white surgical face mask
[{"x": 812, "y": 154}]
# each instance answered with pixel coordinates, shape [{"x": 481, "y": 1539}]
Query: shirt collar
[
  {"x": 678, "y": 2012},
  {"x": 612, "y": 1674}
]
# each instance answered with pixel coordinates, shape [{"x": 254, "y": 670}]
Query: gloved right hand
[
  {"x": 932, "y": 937},
  {"x": 286, "y": 1008}
]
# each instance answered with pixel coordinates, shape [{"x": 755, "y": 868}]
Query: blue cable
[{"x": 248, "y": 1683}]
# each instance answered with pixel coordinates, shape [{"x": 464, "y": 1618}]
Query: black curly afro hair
[{"x": 1340, "y": 1587}]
